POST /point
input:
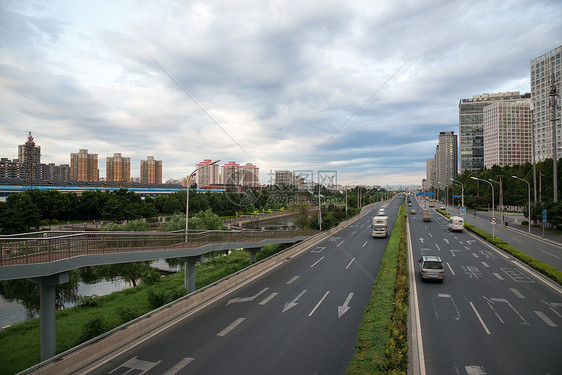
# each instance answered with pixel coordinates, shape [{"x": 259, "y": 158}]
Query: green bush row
[{"x": 381, "y": 346}]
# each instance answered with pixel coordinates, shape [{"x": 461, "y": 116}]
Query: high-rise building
[
  {"x": 231, "y": 173},
  {"x": 84, "y": 166},
  {"x": 207, "y": 174},
  {"x": 507, "y": 133},
  {"x": 250, "y": 175},
  {"x": 471, "y": 131},
  {"x": 151, "y": 171},
  {"x": 284, "y": 178},
  {"x": 52, "y": 172},
  {"x": 29, "y": 156},
  {"x": 446, "y": 160},
  {"x": 430, "y": 173},
  {"x": 117, "y": 168},
  {"x": 545, "y": 74}
]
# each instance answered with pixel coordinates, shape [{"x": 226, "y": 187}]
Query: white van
[
  {"x": 456, "y": 223},
  {"x": 380, "y": 226}
]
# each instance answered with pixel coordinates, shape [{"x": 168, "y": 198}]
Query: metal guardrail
[{"x": 44, "y": 247}]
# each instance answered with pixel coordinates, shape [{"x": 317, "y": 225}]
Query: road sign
[
  {"x": 544, "y": 215},
  {"x": 493, "y": 220},
  {"x": 463, "y": 210}
]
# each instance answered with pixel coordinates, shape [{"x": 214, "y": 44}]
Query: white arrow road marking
[
  {"x": 443, "y": 295},
  {"x": 234, "y": 324},
  {"x": 345, "y": 307},
  {"x": 446, "y": 241},
  {"x": 318, "y": 304},
  {"x": 293, "y": 303},
  {"x": 475, "y": 370},
  {"x": 452, "y": 251},
  {"x": 554, "y": 307},
  {"x": 246, "y": 299},
  {"x": 470, "y": 242},
  {"x": 421, "y": 240}
]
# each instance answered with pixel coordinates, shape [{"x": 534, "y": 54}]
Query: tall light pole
[
  {"x": 493, "y": 211},
  {"x": 462, "y": 191},
  {"x": 187, "y": 197},
  {"x": 552, "y": 98},
  {"x": 501, "y": 198},
  {"x": 446, "y": 195},
  {"x": 529, "y": 209}
]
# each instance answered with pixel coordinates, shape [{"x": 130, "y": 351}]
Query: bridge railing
[{"x": 53, "y": 246}]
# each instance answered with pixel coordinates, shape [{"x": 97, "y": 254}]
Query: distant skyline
[{"x": 360, "y": 87}]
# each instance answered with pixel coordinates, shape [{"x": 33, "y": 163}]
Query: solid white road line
[
  {"x": 268, "y": 298},
  {"x": 318, "y": 304},
  {"x": 181, "y": 364},
  {"x": 350, "y": 263},
  {"x": 292, "y": 280},
  {"x": 315, "y": 263},
  {"x": 480, "y": 318},
  {"x": 234, "y": 324}
]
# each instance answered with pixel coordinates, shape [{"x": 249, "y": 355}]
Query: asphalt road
[
  {"x": 491, "y": 315},
  {"x": 301, "y": 318}
]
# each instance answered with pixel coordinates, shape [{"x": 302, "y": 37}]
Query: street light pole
[
  {"x": 462, "y": 191},
  {"x": 529, "y": 209},
  {"x": 501, "y": 198},
  {"x": 493, "y": 211},
  {"x": 187, "y": 197}
]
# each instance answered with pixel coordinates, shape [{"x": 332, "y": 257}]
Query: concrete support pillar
[
  {"x": 189, "y": 279},
  {"x": 47, "y": 312},
  {"x": 253, "y": 251}
]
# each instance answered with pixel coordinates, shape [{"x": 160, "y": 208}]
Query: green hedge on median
[{"x": 381, "y": 346}]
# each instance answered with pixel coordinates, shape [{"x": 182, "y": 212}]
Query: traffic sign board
[
  {"x": 493, "y": 220},
  {"x": 463, "y": 210}
]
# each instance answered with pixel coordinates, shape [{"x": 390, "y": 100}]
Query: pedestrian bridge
[{"x": 46, "y": 257}]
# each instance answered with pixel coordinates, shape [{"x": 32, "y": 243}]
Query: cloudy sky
[{"x": 358, "y": 87}]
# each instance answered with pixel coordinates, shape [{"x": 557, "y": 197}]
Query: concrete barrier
[{"x": 89, "y": 354}]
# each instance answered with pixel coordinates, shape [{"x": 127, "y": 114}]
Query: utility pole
[
  {"x": 533, "y": 154},
  {"x": 553, "y": 94}
]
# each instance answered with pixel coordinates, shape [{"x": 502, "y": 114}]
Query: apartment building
[
  {"x": 84, "y": 166},
  {"x": 446, "y": 159},
  {"x": 151, "y": 171},
  {"x": 545, "y": 75},
  {"x": 117, "y": 168},
  {"x": 507, "y": 133},
  {"x": 207, "y": 174}
]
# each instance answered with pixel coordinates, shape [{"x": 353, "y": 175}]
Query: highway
[
  {"x": 301, "y": 318},
  {"x": 491, "y": 315}
]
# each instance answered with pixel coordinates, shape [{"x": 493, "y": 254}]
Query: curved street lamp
[
  {"x": 529, "y": 184},
  {"x": 187, "y": 198},
  {"x": 462, "y": 191}
]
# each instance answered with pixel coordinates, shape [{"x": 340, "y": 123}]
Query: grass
[
  {"x": 20, "y": 344},
  {"x": 381, "y": 340}
]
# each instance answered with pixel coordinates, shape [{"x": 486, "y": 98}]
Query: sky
[{"x": 360, "y": 89}]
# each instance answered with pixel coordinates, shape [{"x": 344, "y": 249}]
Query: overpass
[{"x": 46, "y": 257}]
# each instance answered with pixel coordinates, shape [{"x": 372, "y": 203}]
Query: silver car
[{"x": 431, "y": 268}]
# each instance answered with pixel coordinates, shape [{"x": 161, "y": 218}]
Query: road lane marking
[
  {"x": 479, "y": 318},
  {"x": 293, "y": 303},
  {"x": 452, "y": 251},
  {"x": 338, "y": 245},
  {"x": 467, "y": 248},
  {"x": 181, "y": 364},
  {"x": 350, "y": 263},
  {"x": 233, "y": 325},
  {"x": 317, "y": 249},
  {"x": 552, "y": 255},
  {"x": 517, "y": 293},
  {"x": 315, "y": 263},
  {"x": 443, "y": 295},
  {"x": 345, "y": 307},
  {"x": 430, "y": 235},
  {"x": 365, "y": 244},
  {"x": 292, "y": 280},
  {"x": 437, "y": 246},
  {"x": 450, "y": 269},
  {"x": 268, "y": 298},
  {"x": 545, "y": 319},
  {"x": 475, "y": 370},
  {"x": 318, "y": 304},
  {"x": 353, "y": 233},
  {"x": 485, "y": 264},
  {"x": 498, "y": 276},
  {"x": 136, "y": 364},
  {"x": 475, "y": 255},
  {"x": 247, "y": 299}
]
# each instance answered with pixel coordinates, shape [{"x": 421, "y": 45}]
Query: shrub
[
  {"x": 88, "y": 301},
  {"x": 150, "y": 276},
  {"x": 160, "y": 299},
  {"x": 127, "y": 314},
  {"x": 93, "y": 328}
]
